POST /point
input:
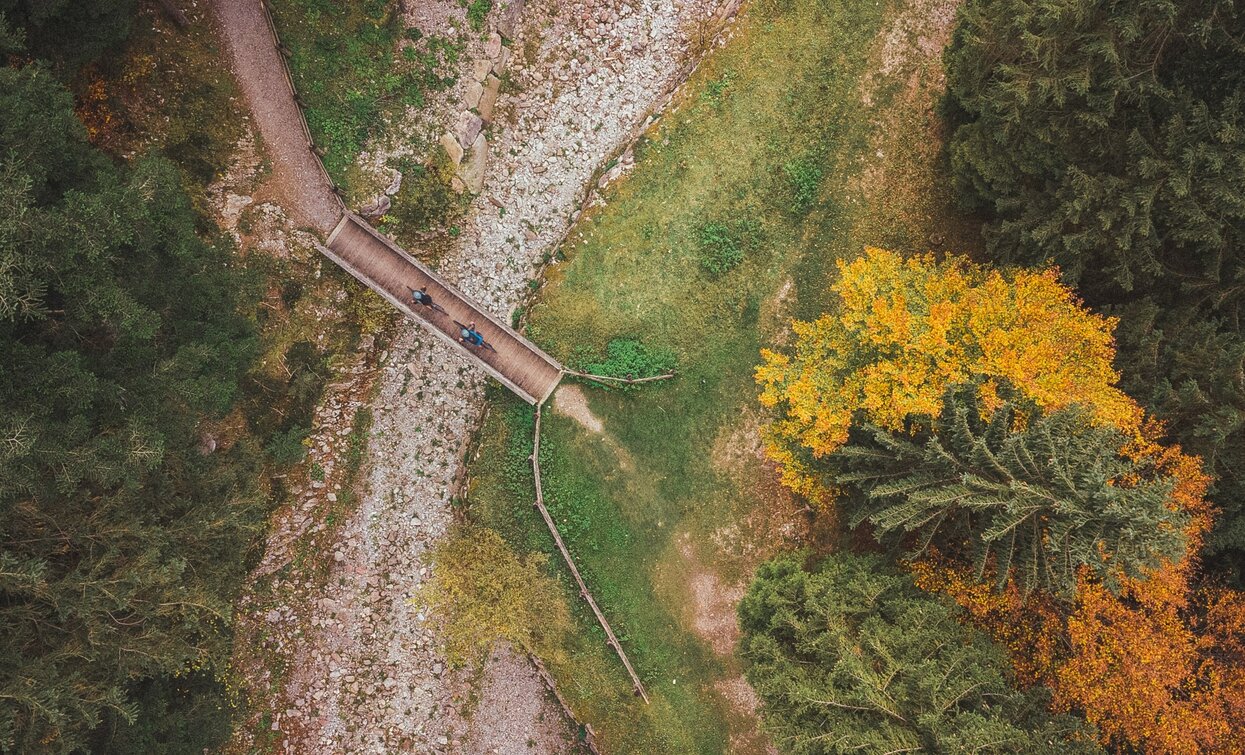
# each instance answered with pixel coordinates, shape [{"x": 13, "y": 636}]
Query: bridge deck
[{"x": 389, "y": 271}]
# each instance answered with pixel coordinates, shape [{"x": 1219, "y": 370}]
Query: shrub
[
  {"x": 629, "y": 358},
  {"x": 482, "y": 593},
  {"x": 427, "y": 200},
  {"x": 804, "y": 178},
  {"x": 287, "y": 447},
  {"x": 477, "y": 13},
  {"x": 715, "y": 91}
]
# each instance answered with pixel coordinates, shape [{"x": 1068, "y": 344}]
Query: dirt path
[
  {"x": 352, "y": 664},
  {"x": 298, "y": 181}
]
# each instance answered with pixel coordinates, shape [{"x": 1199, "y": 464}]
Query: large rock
[
  {"x": 472, "y": 169},
  {"x": 488, "y": 98},
  {"x": 480, "y": 69},
  {"x": 468, "y": 128},
  {"x": 472, "y": 97},
  {"x": 395, "y": 185},
  {"x": 508, "y": 19},
  {"x": 492, "y": 48},
  {"x": 452, "y": 148},
  {"x": 377, "y": 208},
  {"x": 503, "y": 58}
]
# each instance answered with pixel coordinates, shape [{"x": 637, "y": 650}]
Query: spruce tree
[
  {"x": 1040, "y": 501},
  {"x": 123, "y": 333},
  {"x": 1190, "y": 372},
  {"x": 1107, "y": 136},
  {"x": 851, "y": 657}
]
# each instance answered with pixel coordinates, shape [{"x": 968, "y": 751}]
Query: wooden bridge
[{"x": 387, "y": 269}]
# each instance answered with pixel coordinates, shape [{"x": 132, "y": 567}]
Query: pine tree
[
  {"x": 71, "y": 33},
  {"x": 1040, "y": 501},
  {"x": 1190, "y": 372},
  {"x": 1107, "y": 136},
  {"x": 851, "y": 657},
  {"x": 122, "y": 332}
]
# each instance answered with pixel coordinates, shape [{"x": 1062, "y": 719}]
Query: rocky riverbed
[{"x": 334, "y": 610}]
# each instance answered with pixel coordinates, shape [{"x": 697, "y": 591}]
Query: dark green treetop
[
  {"x": 1037, "y": 502},
  {"x": 122, "y": 331},
  {"x": 851, "y": 657}
]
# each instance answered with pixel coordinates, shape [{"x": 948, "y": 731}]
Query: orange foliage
[
  {"x": 94, "y": 109},
  {"x": 905, "y": 330},
  {"x": 1159, "y": 667},
  {"x": 1029, "y": 628}
]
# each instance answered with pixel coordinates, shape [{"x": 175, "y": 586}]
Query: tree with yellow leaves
[{"x": 905, "y": 330}]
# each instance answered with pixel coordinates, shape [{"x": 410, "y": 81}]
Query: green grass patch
[
  {"x": 477, "y": 12},
  {"x": 348, "y": 69},
  {"x": 771, "y": 172},
  {"x": 804, "y": 175},
  {"x": 626, "y": 358}
]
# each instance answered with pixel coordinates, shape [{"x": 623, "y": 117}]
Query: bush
[
  {"x": 715, "y": 91},
  {"x": 629, "y": 358},
  {"x": 482, "y": 593},
  {"x": 427, "y": 201},
  {"x": 477, "y": 13},
  {"x": 804, "y": 176},
  {"x": 720, "y": 248},
  {"x": 287, "y": 447}
]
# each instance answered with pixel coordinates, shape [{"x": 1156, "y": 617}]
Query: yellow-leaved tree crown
[{"x": 903, "y": 330}]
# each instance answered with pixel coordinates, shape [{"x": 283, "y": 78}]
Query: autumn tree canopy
[
  {"x": 904, "y": 330},
  {"x": 1143, "y": 653}
]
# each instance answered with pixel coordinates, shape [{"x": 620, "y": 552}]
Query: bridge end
[{"x": 345, "y": 218}]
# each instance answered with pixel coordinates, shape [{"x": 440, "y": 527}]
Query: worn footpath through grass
[{"x": 810, "y": 135}]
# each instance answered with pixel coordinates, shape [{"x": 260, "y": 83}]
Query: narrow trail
[
  {"x": 356, "y": 664},
  {"x": 303, "y": 187}
]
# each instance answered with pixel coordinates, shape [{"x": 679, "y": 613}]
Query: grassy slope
[
  {"x": 345, "y": 65},
  {"x": 669, "y": 499}
]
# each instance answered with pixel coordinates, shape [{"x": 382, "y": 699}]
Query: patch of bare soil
[
  {"x": 711, "y": 604},
  {"x": 776, "y": 520},
  {"x": 776, "y": 315},
  {"x": 569, "y": 401},
  {"x": 900, "y": 184}
]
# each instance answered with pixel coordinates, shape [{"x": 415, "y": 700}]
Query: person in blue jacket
[{"x": 470, "y": 336}]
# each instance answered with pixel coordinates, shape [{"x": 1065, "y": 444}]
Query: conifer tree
[
  {"x": 122, "y": 332},
  {"x": 1190, "y": 371},
  {"x": 1107, "y": 136},
  {"x": 1038, "y": 502},
  {"x": 851, "y": 657}
]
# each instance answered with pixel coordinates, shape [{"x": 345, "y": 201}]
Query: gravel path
[
  {"x": 298, "y": 181},
  {"x": 357, "y": 669}
]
